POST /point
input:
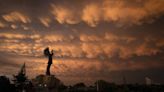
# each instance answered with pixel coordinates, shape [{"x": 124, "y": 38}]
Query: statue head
[
  {"x": 46, "y": 51},
  {"x": 52, "y": 51}
]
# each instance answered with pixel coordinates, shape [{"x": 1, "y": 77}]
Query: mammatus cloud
[
  {"x": 92, "y": 14},
  {"x": 104, "y": 46},
  {"x": 120, "y": 12},
  {"x": 95, "y": 13},
  {"x": 11, "y": 42},
  {"x": 81, "y": 50},
  {"x": 11, "y": 36},
  {"x": 58, "y": 38},
  {"x": 16, "y": 17},
  {"x": 13, "y": 26},
  {"x": 2, "y": 25},
  {"x": 45, "y": 21},
  {"x": 64, "y": 14}
]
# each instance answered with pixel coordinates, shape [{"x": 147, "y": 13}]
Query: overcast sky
[{"x": 92, "y": 39}]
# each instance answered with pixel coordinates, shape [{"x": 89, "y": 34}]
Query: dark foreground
[{"x": 44, "y": 83}]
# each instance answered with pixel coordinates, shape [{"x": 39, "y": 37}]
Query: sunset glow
[{"x": 91, "y": 39}]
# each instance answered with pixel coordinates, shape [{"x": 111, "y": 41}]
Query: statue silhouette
[{"x": 49, "y": 55}]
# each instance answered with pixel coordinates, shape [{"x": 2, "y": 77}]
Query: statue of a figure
[{"x": 48, "y": 54}]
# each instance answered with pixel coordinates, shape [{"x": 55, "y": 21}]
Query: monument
[
  {"x": 47, "y": 82},
  {"x": 48, "y": 54}
]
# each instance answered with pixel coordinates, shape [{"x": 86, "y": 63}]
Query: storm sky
[{"x": 91, "y": 39}]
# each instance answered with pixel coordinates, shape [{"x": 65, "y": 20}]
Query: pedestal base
[{"x": 47, "y": 81}]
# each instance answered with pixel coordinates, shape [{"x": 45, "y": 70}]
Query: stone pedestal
[{"x": 47, "y": 82}]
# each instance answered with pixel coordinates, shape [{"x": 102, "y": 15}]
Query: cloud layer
[
  {"x": 92, "y": 39},
  {"x": 121, "y": 12}
]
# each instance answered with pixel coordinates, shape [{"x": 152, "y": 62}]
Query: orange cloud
[
  {"x": 144, "y": 49},
  {"x": 11, "y": 36},
  {"x": 19, "y": 36},
  {"x": 2, "y": 25},
  {"x": 90, "y": 38},
  {"x": 103, "y": 46},
  {"x": 13, "y": 26},
  {"x": 45, "y": 21},
  {"x": 92, "y": 14},
  {"x": 58, "y": 38},
  {"x": 119, "y": 12},
  {"x": 64, "y": 15},
  {"x": 16, "y": 17}
]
